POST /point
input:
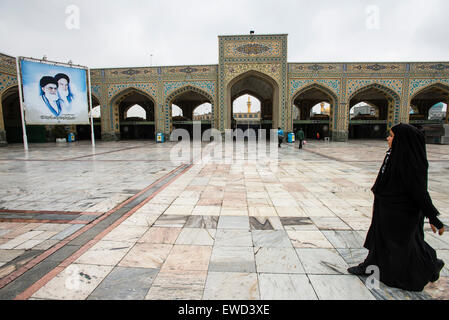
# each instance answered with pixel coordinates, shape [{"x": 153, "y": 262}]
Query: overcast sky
[
  {"x": 135, "y": 33},
  {"x": 124, "y": 33}
]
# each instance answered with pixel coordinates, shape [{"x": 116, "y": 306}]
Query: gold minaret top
[
  {"x": 249, "y": 104},
  {"x": 324, "y": 109}
]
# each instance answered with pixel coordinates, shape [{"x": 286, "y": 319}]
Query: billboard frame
[{"x": 54, "y": 63}]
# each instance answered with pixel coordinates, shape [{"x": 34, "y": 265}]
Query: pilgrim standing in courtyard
[
  {"x": 300, "y": 136},
  {"x": 395, "y": 239},
  {"x": 280, "y": 136}
]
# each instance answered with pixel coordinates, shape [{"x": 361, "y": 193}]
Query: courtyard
[{"x": 123, "y": 221}]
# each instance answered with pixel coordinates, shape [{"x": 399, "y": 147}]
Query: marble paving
[{"x": 235, "y": 231}]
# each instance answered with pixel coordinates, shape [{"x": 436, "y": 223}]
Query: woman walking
[{"x": 395, "y": 239}]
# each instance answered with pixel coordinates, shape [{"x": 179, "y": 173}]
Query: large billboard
[{"x": 53, "y": 93}]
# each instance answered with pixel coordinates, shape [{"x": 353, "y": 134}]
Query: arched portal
[
  {"x": 12, "y": 119},
  {"x": 260, "y": 86},
  {"x": 307, "y": 99},
  {"x": 428, "y": 104},
  {"x": 188, "y": 99},
  {"x": 134, "y": 128},
  {"x": 374, "y": 122}
]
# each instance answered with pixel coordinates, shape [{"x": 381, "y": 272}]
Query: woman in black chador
[{"x": 395, "y": 239}]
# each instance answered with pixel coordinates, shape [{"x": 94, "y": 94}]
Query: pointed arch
[
  {"x": 116, "y": 108},
  {"x": 388, "y": 103},
  {"x": 254, "y": 73},
  {"x": 424, "y": 104},
  {"x": 393, "y": 98},
  {"x": 328, "y": 95},
  {"x": 172, "y": 96},
  {"x": 437, "y": 85},
  {"x": 176, "y": 93},
  {"x": 123, "y": 94},
  {"x": 274, "y": 96},
  {"x": 389, "y": 93},
  {"x": 318, "y": 86}
]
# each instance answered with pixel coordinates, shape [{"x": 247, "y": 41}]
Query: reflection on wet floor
[{"x": 237, "y": 230}]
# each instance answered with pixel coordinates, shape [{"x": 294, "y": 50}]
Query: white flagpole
[
  {"x": 19, "y": 80},
  {"x": 91, "y": 114}
]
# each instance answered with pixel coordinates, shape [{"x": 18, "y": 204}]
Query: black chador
[{"x": 395, "y": 239}]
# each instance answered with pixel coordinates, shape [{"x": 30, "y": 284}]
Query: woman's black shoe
[
  {"x": 436, "y": 276},
  {"x": 359, "y": 270}
]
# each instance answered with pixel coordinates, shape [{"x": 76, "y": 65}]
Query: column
[
  {"x": 110, "y": 125},
  {"x": 340, "y": 132}
]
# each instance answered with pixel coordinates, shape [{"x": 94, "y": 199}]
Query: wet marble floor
[{"x": 123, "y": 221}]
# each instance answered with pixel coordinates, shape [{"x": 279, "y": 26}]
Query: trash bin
[
  {"x": 291, "y": 137},
  {"x": 160, "y": 138},
  {"x": 71, "y": 137}
]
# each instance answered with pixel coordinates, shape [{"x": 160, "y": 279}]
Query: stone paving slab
[
  {"x": 231, "y": 286},
  {"x": 237, "y": 231},
  {"x": 175, "y": 285},
  {"x": 125, "y": 284},
  {"x": 286, "y": 287}
]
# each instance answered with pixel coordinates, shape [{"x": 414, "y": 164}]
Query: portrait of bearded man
[
  {"x": 64, "y": 91},
  {"x": 49, "y": 95}
]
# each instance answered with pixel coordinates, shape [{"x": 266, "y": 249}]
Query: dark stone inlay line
[
  {"x": 107, "y": 152},
  {"x": 40, "y": 216},
  {"x": 69, "y": 217},
  {"x": 23, "y": 282},
  {"x": 2, "y": 211},
  {"x": 325, "y": 156},
  {"x": 85, "y": 160},
  {"x": 22, "y": 259},
  {"x": 12, "y": 289},
  {"x": 46, "y": 217}
]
